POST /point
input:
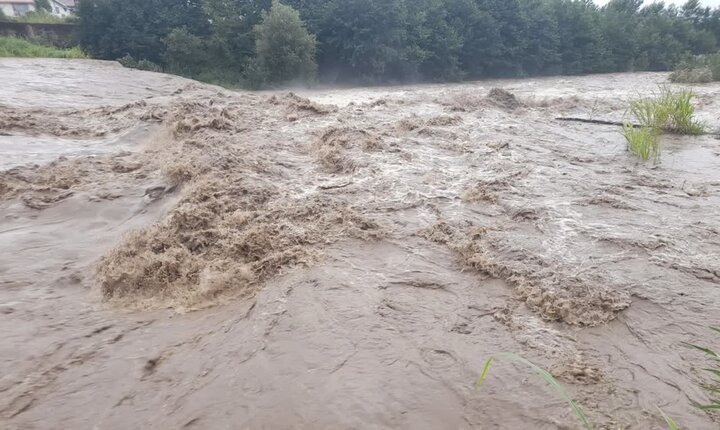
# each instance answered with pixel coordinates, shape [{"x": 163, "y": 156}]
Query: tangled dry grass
[
  {"x": 80, "y": 123},
  {"x": 240, "y": 220},
  {"x": 503, "y": 99},
  {"x": 297, "y": 107},
  {"x": 549, "y": 290},
  {"x": 224, "y": 238},
  {"x": 333, "y": 146}
]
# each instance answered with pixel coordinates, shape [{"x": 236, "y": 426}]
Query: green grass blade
[
  {"x": 711, "y": 389},
  {"x": 715, "y": 372},
  {"x": 707, "y": 351},
  {"x": 672, "y": 425},
  {"x": 484, "y": 373},
  {"x": 710, "y": 407},
  {"x": 714, "y": 385},
  {"x": 553, "y": 383}
]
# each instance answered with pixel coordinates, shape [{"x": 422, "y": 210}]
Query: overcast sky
[{"x": 712, "y": 3}]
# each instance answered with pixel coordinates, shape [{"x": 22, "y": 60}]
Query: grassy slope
[{"x": 15, "y": 47}]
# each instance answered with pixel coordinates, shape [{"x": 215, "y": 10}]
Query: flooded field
[{"x": 176, "y": 255}]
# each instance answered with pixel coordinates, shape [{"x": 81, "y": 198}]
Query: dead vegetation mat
[
  {"x": 79, "y": 123},
  {"x": 243, "y": 213},
  {"x": 241, "y": 218},
  {"x": 548, "y": 289}
]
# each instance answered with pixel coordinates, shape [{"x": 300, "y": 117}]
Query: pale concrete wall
[
  {"x": 9, "y": 10},
  {"x": 59, "y": 9}
]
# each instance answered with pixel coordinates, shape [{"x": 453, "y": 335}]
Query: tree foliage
[
  {"x": 284, "y": 50},
  {"x": 397, "y": 40},
  {"x": 111, "y": 29},
  {"x": 43, "y": 5}
]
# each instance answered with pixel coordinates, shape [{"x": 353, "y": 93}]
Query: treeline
[{"x": 263, "y": 43}]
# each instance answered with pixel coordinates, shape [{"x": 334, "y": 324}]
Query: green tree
[
  {"x": 713, "y": 24},
  {"x": 232, "y": 28},
  {"x": 367, "y": 40},
  {"x": 658, "y": 45},
  {"x": 285, "y": 51},
  {"x": 513, "y": 37},
  {"x": 693, "y": 11},
  {"x": 542, "y": 47},
  {"x": 185, "y": 53},
  {"x": 582, "y": 47},
  {"x": 434, "y": 43},
  {"x": 43, "y": 5},
  {"x": 111, "y": 29},
  {"x": 619, "y": 22},
  {"x": 481, "y": 36}
]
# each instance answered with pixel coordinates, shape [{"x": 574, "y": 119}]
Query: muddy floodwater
[{"x": 176, "y": 255}]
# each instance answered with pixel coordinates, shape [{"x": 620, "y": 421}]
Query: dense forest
[{"x": 264, "y": 42}]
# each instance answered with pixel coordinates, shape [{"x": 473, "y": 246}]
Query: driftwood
[
  {"x": 596, "y": 121},
  {"x": 334, "y": 186},
  {"x": 621, "y": 124}
]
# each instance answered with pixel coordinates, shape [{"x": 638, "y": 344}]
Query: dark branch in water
[
  {"x": 595, "y": 121},
  {"x": 604, "y": 122}
]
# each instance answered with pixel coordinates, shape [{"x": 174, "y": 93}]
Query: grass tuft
[
  {"x": 17, "y": 47},
  {"x": 643, "y": 142},
  {"x": 666, "y": 111},
  {"x": 669, "y": 111},
  {"x": 650, "y": 113},
  {"x": 681, "y": 112},
  {"x": 672, "y": 425}
]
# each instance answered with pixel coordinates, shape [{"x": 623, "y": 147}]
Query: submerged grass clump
[
  {"x": 681, "y": 112},
  {"x": 643, "y": 142},
  {"x": 667, "y": 111}
]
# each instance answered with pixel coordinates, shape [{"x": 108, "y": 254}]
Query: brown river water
[{"x": 177, "y": 255}]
